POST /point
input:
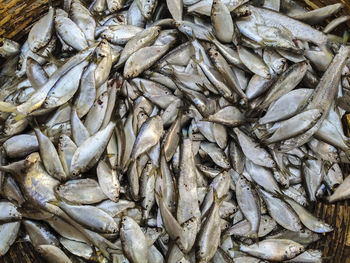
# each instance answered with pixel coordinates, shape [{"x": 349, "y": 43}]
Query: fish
[
  {"x": 274, "y": 249},
  {"x": 174, "y": 131}
]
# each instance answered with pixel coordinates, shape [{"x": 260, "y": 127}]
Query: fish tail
[
  {"x": 345, "y": 37},
  {"x": 8, "y": 107}
]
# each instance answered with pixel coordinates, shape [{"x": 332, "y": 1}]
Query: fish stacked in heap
[{"x": 173, "y": 131}]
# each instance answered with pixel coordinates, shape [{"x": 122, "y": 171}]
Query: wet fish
[{"x": 153, "y": 131}]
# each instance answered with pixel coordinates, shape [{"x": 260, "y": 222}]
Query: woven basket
[{"x": 16, "y": 18}]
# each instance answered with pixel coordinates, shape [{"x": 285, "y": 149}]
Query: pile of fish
[{"x": 173, "y": 131}]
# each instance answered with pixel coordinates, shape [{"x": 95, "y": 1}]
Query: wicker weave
[{"x": 16, "y": 18}]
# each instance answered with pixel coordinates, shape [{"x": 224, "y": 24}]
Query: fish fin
[
  {"x": 325, "y": 166},
  {"x": 153, "y": 171},
  {"x": 128, "y": 162},
  {"x": 281, "y": 196},
  {"x": 175, "y": 79},
  {"x": 224, "y": 237},
  {"x": 158, "y": 195},
  {"x": 158, "y": 171},
  {"x": 264, "y": 137},
  {"x": 7, "y": 107},
  {"x": 98, "y": 257},
  {"x": 190, "y": 131},
  {"x": 256, "y": 126},
  {"x": 253, "y": 112},
  {"x": 95, "y": 59},
  {"x": 347, "y": 154},
  {"x": 306, "y": 163},
  {"x": 184, "y": 133},
  {"x": 52, "y": 59},
  {"x": 3, "y": 168},
  {"x": 54, "y": 202},
  {"x": 170, "y": 66},
  {"x": 34, "y": 124},
  {"x": 19, "y": 116},
  {"x": 309, "y": 157},
  {"x": 285, "y": 173},
  {"x": 102, "y": 243},
  {"x": 192, "y": 36},
  {"x": 143, "y": 87},
  {"x": 109, "y": 155},
  {"x": 198, "y": 61},
  {"x": 261, "y": 107},
  {"x": 252, "y": 119},
  {"x": 254, "y": 236},
  {"x": 345, "y": 37},
  {"x": 90, "y": 58},
  {"x": 210, "y": 36},
  {"x": 203, "y": 88},
  {"x": 236, "y": 246},
  {"x": 217, "y": 199}
]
